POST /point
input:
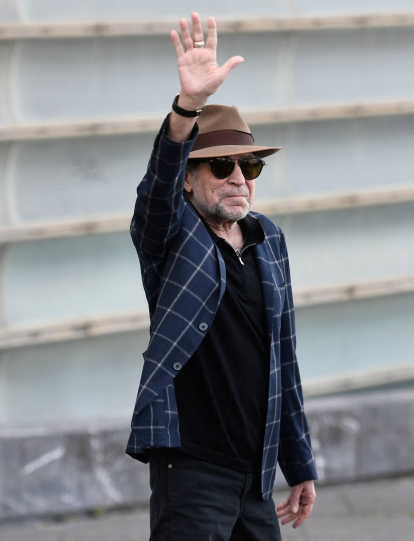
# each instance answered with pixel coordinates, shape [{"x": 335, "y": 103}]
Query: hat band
[{"x": 222, "y": 137}]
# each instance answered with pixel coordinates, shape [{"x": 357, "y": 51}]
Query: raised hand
[{"x": 200, "y": 76}]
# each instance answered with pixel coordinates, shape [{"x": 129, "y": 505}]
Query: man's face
[{"x": 221, "y": 200}]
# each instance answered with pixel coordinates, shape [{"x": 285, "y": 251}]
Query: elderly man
[{"x": 220, "y": 400}]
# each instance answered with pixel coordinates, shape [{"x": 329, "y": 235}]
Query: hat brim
[{"x": 232, "y": 150}]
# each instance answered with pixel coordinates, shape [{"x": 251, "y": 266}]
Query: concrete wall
[
  {"x": 50, "y": 470},
  {"x": 42, "y": 282}
]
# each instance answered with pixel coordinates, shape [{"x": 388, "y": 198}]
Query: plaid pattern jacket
[{"x": 184, "y": 277}]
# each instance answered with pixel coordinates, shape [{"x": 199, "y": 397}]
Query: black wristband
[{"x": 183, "y": 112}]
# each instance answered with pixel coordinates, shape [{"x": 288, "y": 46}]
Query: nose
[{"x": 237, "y": 176}]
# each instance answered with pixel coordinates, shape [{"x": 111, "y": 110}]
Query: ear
[{"x": 188, "y": 182}]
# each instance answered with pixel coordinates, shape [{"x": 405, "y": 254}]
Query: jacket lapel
[
  {"x": 272, "y": 283},
  {"x": 262, "y": 254},
  {"x": 222, "y": 267}
]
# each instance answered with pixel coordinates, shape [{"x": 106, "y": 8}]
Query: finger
[
  {"x": 229, "y": 65},
  {"x": 300, "y": 520},
  {"x": 289, "y": 518},
  {"x": 294, "y": 502},
  {"x": 211, "y": 34},
  {"x": 285, "y": 503},
  {"x": 283, "y": 512},
  {"x": 282, "y": 507},
  {"x": 306, "y": 510},
  {"x": 197, "y": 30},
  {"x": 185, "y": 35},
  {"x": 303, "y": 515},
  {"x": 179, "y": 51}
]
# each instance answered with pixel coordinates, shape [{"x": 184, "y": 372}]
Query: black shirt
[{"x": 222, "y": 391}]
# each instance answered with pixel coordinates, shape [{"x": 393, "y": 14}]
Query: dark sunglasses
[{"x": 224, "y": 167}]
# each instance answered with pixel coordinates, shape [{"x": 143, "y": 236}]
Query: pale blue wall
[{"x": 81, "y": 79}]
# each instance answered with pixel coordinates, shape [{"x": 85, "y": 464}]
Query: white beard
[{"x": 218, "y": 211}]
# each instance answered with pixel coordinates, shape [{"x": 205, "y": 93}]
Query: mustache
[{"x": 231, "y": 193}]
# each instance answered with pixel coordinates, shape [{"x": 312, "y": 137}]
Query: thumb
[
  {"x": 230, "y": 64},
  {"x": 294, "y": 501}
]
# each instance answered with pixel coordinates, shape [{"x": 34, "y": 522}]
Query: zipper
[{"x": 239, "y": 253}]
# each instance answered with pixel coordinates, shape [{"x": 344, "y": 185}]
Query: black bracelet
[{"x": 180, "y": 111}]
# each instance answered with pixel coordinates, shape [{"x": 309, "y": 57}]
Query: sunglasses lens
[
  {"x": 251, "y": 168},
  {"x": 221, "y": 167}
]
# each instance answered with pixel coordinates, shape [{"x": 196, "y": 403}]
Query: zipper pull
[{"x": 239, "y": 256}]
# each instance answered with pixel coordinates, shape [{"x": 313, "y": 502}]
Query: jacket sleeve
[
  {"x": 295, "y": 453},
  {"x": 160, "y": 204}
]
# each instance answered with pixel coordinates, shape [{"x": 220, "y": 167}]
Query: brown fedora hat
[{"x": 223, "y": 132}]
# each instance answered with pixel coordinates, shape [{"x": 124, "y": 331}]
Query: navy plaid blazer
[{"x": 184, "y": 278}]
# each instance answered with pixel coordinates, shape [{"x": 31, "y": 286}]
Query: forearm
[
  {"x": 160, "y": 202},
  {"x": 159, "y": 205},
  {"x": 295, "y": 459},
  {"x": 180, "y": 127},
  {"x": 295, "y": 452}
]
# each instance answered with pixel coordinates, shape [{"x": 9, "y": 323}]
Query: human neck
[{"x": 228, "y": 230}]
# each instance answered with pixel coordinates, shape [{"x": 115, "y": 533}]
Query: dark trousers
[{"x": 198, "y": 501}]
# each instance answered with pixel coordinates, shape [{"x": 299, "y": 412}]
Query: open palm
[{"x": 199, "y": 73}]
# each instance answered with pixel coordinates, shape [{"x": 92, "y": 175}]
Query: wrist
[
  {"x": 191, "y": 103},
  {"x": 186, "y": 113},
  {"x": 179, "y": 127}
]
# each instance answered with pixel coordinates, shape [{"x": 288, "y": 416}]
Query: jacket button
[
  {"x": 203, "y": 326},
  {"x": 177, "y": 366}
]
